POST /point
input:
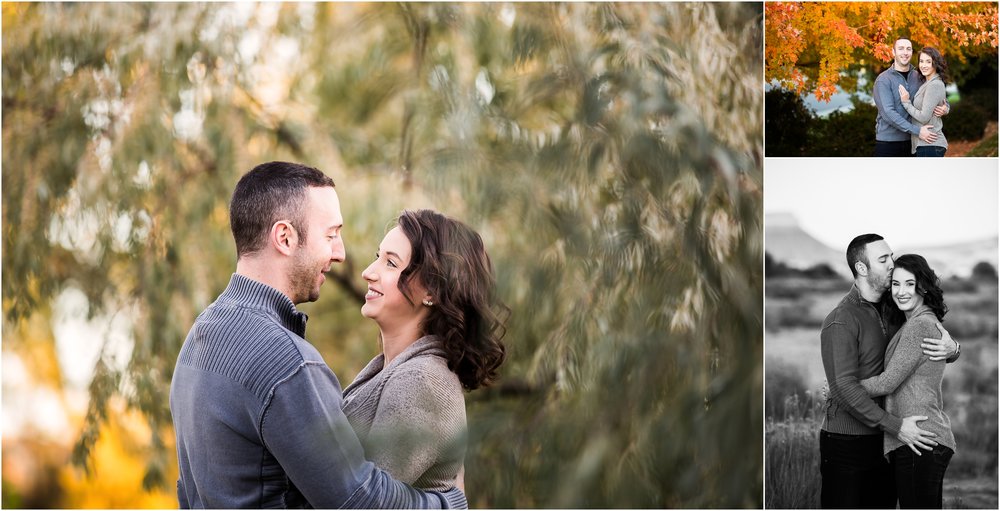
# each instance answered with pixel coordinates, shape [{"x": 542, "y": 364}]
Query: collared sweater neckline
[
  {"x": 424, "y": 346},
  {"x": 860, "y": 299},
  {"x": 243, "y": 291}
]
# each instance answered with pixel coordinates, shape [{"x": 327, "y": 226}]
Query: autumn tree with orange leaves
[{"x": 809, "y": 44}]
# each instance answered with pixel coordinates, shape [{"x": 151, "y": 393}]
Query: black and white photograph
[{"x": 880, "y": 334}]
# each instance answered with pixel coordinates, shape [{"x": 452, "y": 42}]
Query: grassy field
[{"x": 795, "y": 391}]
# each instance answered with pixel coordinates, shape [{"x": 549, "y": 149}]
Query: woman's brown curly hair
[{"x": 449, "y": 259}]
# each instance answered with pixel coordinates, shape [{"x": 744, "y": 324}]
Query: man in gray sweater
[
  {"x": 892, "y": 124},
  {"x": 257, "y": 413},
  {"x": 855, "y": 334}
]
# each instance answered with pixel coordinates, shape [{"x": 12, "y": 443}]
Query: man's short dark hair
[
  {"x": 271, "y": 192},
  {"x": 856, "y": 251}
]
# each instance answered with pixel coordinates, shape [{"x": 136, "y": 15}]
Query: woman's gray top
[
  {"x": 410, "y": 416},
  {"x": 921, "y": 109}
]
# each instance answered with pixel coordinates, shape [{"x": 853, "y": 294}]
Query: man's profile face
[
  {"x": 322, "y": 247},
  {"x": 902, "y": 51},
  {"x": 880, "y": 265}
]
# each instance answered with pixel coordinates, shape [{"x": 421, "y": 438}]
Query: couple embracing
[
  {"x": 260, "y": 419},
  {"x": 885, "y": 435},
  {"x": 910, "y": 103}
]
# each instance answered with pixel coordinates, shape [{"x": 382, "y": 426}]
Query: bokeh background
[
  {"x": 944, "y": 212},
  {"x": 609, "y": 154},
  {"x": 822, "y": 59}
]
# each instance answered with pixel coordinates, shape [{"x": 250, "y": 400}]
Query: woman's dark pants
[
  {"x": 930, "y": 151},
  {"x": 855, "y": 473},
  {"x": 919, "y": 479}
]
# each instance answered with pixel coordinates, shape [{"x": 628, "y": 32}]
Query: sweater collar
[
  {"x": 921, "y": 310},
  {"x": 426, "y": 345},
  {"x": 855, "y": 296},
  {"x": 246, "y": 292}
]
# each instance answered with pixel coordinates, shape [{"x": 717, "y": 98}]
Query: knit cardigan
[
  {"x": 410, "y": 416},
  {"x": 911, "y": 381},
  {"x": 921, "y": 110}
]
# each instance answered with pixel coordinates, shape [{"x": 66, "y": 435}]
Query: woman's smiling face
[
  {"x": 385, "y": 302},
  {"x": 904, "y": 290},
  {"x": 926, "y": 65}
]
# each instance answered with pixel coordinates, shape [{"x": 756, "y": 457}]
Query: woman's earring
[{"x": 428, "y": 303}]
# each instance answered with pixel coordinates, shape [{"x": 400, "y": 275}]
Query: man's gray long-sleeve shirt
[{"x": 259, "y": 416}]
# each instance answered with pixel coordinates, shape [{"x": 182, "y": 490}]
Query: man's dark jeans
[
  {"x": 900, "y": 149},
  {"x": 855, "y": 473},
  {"x": 919, "y": 479}
]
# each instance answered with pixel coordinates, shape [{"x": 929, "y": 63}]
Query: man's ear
[
  {"x": 861, "y": 268},
  {"x": 283, "y": 237}
]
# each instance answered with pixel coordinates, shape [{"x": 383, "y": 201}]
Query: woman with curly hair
[
  {"x": 431, "y": 291},
  {"x": 934, "y": 74},
  {"x": 912, "y": 385}
]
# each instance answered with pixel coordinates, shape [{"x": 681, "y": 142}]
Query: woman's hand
[{"x": 903, "y": 95}]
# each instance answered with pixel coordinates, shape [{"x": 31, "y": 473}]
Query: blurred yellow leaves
[
  {"x": 44, "y": 424},
  {"x": 117, "y": 469},
  {"x": 11, "y": 11}
]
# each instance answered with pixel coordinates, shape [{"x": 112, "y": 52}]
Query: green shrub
[
  {"x": 786, "y": 123},
  {"x": 844, "y": 133},
  {"x": 970, "y": 114}
]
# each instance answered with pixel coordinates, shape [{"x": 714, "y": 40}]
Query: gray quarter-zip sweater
[
  {"x": 853, "y": 342},
  {"x": 892, "y": 124}
]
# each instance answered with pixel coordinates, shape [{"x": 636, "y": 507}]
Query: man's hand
[
  {"x": 942, "y": 109},
  {"x": 914, "y": 437},
  {"x": 940, "y": 349},
  {"x": 926, "y": 134},
  {"x": 903, "y": 95},
  {"x": 460, "y": 479}
]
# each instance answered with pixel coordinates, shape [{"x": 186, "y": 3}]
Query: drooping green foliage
[{"x": 609, "y": 154}]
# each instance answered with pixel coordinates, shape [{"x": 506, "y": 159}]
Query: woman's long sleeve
[
  {"x": 901, "y": 364},
  {"x": 933, "y": 96}
]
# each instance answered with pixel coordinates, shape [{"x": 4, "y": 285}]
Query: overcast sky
[{"x": 911, "y": 202}]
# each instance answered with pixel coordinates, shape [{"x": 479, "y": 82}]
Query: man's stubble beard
[
  {"x": 303, "y": 278},
  {"x": 880, "y": 285}
]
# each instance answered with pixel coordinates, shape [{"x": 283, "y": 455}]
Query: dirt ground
[{"x": 961, "y": 147}]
